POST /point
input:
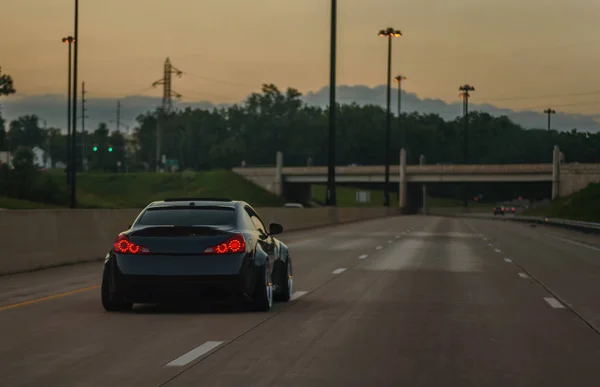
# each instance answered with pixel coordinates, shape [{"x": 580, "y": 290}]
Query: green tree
[
  {"x": 6, "y": 84},
  {"x": 23, "y": 159},
  {"x": 26, "y": 131}
]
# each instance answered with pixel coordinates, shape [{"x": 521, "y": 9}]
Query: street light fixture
[
  {"x": 69, "y": 40},
  {"x": 549, "y": 112},
  {"x": 399, "y": 80},
  {"x": 464, "y": 94},
  {"x": 389, "y": 33}
]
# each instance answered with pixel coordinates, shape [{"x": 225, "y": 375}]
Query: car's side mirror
[{"x": 275, "y": 228}]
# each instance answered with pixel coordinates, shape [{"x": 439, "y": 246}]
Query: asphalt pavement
[{"x": 404, "y": 301}]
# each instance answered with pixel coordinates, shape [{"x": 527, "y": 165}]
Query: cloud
[{"x": 53, "y": 108}]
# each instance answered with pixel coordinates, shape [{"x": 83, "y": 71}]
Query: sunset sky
[{"x": 506, "y": 49}]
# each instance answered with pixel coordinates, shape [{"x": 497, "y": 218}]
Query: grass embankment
[
  {"x": 583, "y": 205},
  {"x": 346, "y": 197},
  {"x": 17, "y": 204},
  {"x": 136, "y": 190}
]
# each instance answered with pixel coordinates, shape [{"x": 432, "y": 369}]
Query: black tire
[
  {"x": 111, "y": 300},
  {"x": 262, "y": 300},
  {"x": 285, "y": 283}
]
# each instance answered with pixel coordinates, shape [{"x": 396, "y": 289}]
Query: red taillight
[
  {"x": 124, "y": 246},
  {"x": 513, "y": 209},
  {"x": 233, "y": 245}
]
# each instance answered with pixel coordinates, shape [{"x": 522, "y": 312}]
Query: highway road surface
[{"x": 405, "y": 301}]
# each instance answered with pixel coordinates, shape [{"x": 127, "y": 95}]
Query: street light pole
[
  {"x": 464, "y": 94},
  {"x": 389, "y": 33},
  {"x": 331, "y": 192},
  {"x": 74, "y": 120},
  {"x": 69, "y": 40},
  {"x": 549, "y": 112},
  {"x": 399, "y": 80}
]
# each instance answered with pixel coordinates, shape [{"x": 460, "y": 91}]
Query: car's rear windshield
[{"x": 188, "y": 216}]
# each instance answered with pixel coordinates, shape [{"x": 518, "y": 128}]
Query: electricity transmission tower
[{"x": 167, "y": 102}]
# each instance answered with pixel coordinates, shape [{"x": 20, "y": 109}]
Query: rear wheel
[
  {"x": 286, "y": 283},
  {"x": 112, "y": 301},
  {"x": 263, "y": 294}
]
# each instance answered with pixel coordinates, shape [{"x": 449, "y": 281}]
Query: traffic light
[
  {"x": 95, "y": 148},
  {"x": 110, "y": 148}
]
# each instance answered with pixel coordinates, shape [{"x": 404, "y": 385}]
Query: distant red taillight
[
  {"x": 124, "y": 246},
  {"x": 233, "y": 245}
]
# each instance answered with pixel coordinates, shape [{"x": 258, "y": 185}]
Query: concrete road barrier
[{"x": 36, "y": 239}]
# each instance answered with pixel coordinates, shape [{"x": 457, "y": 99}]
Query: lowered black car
[{"x": 214, "y": 249}]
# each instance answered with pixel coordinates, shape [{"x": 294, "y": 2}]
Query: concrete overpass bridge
[{"x": 295, "y": 182}]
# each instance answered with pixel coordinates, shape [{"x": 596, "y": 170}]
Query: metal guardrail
[
  {"x": 564, "y": 223},
  {"x": 589, "y": 227}
]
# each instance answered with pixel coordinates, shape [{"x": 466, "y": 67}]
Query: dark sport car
[
  {"x": 216, "y": 249},
  {"x": 498, "y": 210}
]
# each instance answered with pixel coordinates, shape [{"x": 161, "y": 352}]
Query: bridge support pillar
[
  {"x": 556, "y": 158},
  {"x": 402, "y": 200},
  {"x": 278, "y": 182},
  {"x": 424, "y": 187}
]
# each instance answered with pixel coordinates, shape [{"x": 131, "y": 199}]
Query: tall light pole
[
  {"x": 69, "y": 41},
  {"x": 331, "y": 192},
  {"x": 389, "y": 33},
  {"x": 549, "y": 112},
  {"x": 464, "y": 94},
  {"x": 399, "y": 80},
  {"x": 73, "y": 203}
]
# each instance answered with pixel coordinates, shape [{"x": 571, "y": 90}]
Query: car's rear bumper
[
  {"x": 156, "y": 278},
  {"x": 149, "y": 289}
]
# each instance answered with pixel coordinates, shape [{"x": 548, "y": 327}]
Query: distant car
[
  {"x": 498, "y": 210},
  {"x": 511, "y": 210},
  {"x": 215, "y": 249}
]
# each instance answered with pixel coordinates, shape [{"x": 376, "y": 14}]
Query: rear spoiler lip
[{"x": 224, "y": 229}]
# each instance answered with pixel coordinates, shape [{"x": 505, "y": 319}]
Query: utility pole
[
  {"x": 118, "y": 115},
  {"x": 167, "y": 102},
  {"x": 549, "y": 112},
  {"x": 464, "y": 94},
  {"x": 83, "y": 132},
  {"x": 331, "y": 192},
  {"x": 74, "y": 133}
]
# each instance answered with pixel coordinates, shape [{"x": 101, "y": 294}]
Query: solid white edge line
[
  {"x": 339, "y": 271},
  {"x": 574, "y": 242},
  {"x": 194, "y": 354},
  {"x": 297, "y": 295},
  {"x": 507, "y": 260},
  {"x": 364, "y": 256},
  {"x": 553, "y": 302},
  {"x": 523, "y": 275}
]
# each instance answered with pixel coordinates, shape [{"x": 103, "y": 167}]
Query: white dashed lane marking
[
  {"x": 553, "y": 302},
  {"x": 297, "y": 295},
  {"x": 378, "y": 247},
  {"x": 194, "y": 354},
  {"x": 508, "y": 260},
  {"x": 339, "y": 271},
  {"x": 364, "y": 256},
  {"x": 498, "y": 250},
  {"x": 523, "y": 275}
]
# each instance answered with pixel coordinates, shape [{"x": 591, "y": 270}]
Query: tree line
[{"x": 273, "y": 120}]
